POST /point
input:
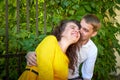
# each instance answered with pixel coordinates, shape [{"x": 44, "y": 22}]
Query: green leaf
[
  {"x": 87, "y": 8},
  {"x": 71, "y": 12}
]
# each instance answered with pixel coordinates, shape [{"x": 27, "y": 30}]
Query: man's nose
[{"x": 80, "y": 30}]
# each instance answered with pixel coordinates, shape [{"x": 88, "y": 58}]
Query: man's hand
[{"x": 31, "y": 59}]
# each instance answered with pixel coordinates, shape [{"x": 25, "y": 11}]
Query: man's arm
[
  {"x": 31, "y": 59},
  {"x": 88, "y": 67}
]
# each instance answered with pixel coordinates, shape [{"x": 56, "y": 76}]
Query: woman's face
[{"x": 71, "y": 32}]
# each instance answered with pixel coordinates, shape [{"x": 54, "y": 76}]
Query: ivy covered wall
[{"x": 50, "y": 12}]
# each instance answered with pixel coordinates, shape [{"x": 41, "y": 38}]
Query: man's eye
[{"x": 86, "y": 30}]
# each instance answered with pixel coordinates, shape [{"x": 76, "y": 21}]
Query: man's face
[{"x": 86, "y": 30}]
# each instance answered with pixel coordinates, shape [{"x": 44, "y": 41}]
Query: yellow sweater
[{"x": 52, "y": 62}]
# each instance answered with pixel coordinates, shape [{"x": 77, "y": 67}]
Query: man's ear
[{"x": 94, "y": 33}]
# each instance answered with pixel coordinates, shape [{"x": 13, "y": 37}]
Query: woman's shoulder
[{"x": 51, "y": 38}]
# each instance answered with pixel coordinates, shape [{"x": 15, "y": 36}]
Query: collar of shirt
[{"x": 87, "y": 44}]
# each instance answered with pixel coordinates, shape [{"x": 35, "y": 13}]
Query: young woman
[{"x": 55, "y": 54}]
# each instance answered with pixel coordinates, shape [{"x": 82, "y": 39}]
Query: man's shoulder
[
  {"x": 90, "y": 44},
  {"x": 90, "y": 47}
]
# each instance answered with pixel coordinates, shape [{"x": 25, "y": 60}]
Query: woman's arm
[{"x": 45, "y": 56}]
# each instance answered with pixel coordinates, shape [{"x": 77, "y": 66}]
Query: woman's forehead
[{"x": 72, "y": 24}]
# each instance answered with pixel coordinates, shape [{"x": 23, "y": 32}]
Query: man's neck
[{"x": 84, "y": 42}]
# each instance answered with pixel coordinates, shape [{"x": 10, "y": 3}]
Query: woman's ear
[{"x": 94, "y": 33}]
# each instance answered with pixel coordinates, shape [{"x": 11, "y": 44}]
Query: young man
[{"x": 87, "y": 55}]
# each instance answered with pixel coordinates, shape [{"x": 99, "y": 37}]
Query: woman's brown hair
[{"x": 71, "y": 51}]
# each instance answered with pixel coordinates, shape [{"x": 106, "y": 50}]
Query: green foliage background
[{"x": 56, "y": 10}]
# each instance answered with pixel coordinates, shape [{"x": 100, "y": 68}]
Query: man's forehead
[{"x": 85, "y": 25}]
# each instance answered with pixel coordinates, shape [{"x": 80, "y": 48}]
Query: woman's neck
[{"x": 64, "y": 44}]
